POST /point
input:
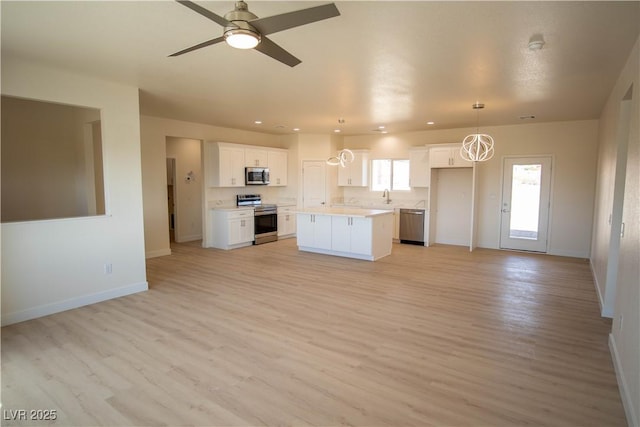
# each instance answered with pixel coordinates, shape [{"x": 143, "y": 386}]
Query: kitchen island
[{"x": 348, "y": 232}]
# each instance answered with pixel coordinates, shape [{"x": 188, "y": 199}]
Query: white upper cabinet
[
  {"x": 255, "y": 157},
  {"x": 419, "y": 167},
  {"x": 224, "y": 164},
  {"x": 356, "y": 173},
  {"x": 277, "y": 160},
  {"x": 447, "y": 156}
]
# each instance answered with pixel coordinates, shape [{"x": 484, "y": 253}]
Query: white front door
[
  {"x": 314, "y": 183},
  {"x": 526, "y": 195}
]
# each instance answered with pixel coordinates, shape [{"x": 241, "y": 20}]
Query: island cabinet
[
  {"x": 351, "y": 234},
  {"x": 348, "y": 232},
  {"x": 313, "y": 231}
]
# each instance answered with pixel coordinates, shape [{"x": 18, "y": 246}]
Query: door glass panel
[{"x": 525, "y": 201}]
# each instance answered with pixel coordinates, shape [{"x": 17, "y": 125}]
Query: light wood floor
[{"x": 267, "y": 335}]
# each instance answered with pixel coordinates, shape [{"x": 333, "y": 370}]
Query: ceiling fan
[{"x": 244, "y": 30}]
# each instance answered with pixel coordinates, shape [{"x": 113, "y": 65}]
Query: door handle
[{"x": 506, "y": 210}]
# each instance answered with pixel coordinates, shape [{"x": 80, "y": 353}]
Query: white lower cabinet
[
  {"x": 351, "y": 234},
  {"x": 231, "y": 228},
  {"x": 362, "y": 237},
  {"x": 241, "y": 230},
  {"x": 314, "y": 231},
  {"x": 286, "y": 221}
]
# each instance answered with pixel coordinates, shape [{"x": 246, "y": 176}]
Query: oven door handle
[{"x": 265, "y": 213}]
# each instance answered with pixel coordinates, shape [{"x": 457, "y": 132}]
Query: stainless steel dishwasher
[{"x": 412, "y": 226}]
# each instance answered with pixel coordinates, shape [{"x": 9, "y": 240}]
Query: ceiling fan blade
[
  {"x": 199, "y": 46},
  {"x": 271, "y": 49},
  {"x": 204, "y": 12},
  {"x": 273, "y": 24}
]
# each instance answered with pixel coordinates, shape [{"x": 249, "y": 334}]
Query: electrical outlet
[{"x": 108, "y": 268}]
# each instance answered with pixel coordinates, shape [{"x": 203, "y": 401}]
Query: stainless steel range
[{"x": 266, "y": 217}]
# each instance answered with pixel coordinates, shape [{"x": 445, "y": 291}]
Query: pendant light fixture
[
  {"x": 344, "y": 156},
  {"x": 477, "y": 147}
]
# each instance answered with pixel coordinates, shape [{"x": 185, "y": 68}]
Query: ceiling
[{"x": 393, "y": 64}]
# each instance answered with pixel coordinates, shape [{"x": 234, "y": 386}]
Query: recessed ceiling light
[
  {"x": 380, "y": 127},
  {"x": 258, "y": 122},
  {"x": 296, "y": 129},
  {"x": 337, "y": 130},
  {"x": 431, "y": 123}
]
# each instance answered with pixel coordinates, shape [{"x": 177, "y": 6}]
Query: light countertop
[
  {"x": 231, "y": 208},
  {"x": 353, "y": 212}
]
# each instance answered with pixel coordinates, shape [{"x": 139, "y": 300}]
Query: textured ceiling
[{"x": 398, "y": 64}]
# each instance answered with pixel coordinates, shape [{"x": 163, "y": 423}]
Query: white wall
[
  {"x": 625, "y": 338},
  {"x": 188, "y": 203},
  {"x": 54, "y": 265},
  {"x": 574, "y": 149}
]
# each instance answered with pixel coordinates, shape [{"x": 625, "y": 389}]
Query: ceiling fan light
[{"x": 241, "y": 38}]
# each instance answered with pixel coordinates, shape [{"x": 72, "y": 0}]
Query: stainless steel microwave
[{"x": 256, "y": 176}]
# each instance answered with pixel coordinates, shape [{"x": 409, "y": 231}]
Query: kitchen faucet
[{"x": 386, "y": 193}]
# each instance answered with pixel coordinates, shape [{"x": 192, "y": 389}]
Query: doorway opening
[
  {"x": 526, "y": 196},
  {"x": 184, "y": 189},
  {"x": 171, "y": 198}
]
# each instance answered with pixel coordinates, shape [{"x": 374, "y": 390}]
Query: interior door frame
[{"x": 552, "y": 159}]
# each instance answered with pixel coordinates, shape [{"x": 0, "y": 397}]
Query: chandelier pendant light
[
  {"x": 477, "y": 147},
  {"x": 342, "y": 158}
]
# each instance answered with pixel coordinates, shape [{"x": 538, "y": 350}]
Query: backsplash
[
  {"x": 364, "y": 197},
  {"x": 226, "y": 196}
]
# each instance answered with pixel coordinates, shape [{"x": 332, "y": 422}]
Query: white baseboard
[
  {"x": 603, "y": 311},
  {"x": 189, "y": 238},
  {"x": 157, "y": 253},
  {"x": 569, "y": 254},
  {"x": 57, "y": 307},
  {"x": 629, "y": 410}
]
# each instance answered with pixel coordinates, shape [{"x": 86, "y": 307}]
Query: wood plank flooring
[{"x": 267, "y": 335}]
